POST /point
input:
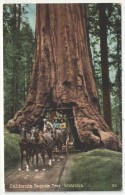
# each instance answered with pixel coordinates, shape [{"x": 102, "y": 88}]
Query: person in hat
[{"x": 47, "y": 126}]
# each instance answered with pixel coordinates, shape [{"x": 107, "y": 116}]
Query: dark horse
[{"x": 26, "y": 147}]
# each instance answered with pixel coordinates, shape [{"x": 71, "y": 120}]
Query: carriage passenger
[
  {"x": 64, "y": 129},
  {"x": 56, "y": 124},
  {"x": 62, "y": 125}
]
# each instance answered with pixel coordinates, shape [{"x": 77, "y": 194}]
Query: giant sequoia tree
[{"x": 62, "y": 76}]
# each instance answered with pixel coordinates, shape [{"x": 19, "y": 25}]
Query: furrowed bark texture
[{"x": 62, "y": 75}]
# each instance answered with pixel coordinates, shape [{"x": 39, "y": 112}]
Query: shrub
[
  {"x": 11, "y": 150},
  {"x": 96, "y": 170}
]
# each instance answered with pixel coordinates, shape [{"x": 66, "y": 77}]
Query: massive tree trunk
[
  {"x": 62, "y": 76},
  {"x": 105, "y": 66}
]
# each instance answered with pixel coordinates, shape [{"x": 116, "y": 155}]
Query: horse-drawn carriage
[{"x": 35, "y": 141}]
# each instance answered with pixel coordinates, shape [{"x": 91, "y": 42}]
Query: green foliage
[
  {"x": 97, "y": 170},
  {"x": 11, "y": 150},
  {"x": 94, "y": 40},
  {"x": 18, "y": 44},
  {"x": 113, "y": 13}
]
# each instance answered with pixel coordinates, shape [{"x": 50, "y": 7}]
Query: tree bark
[
  {"x": 19, "y": 17},
  {"x": 14, "y": 61},
  {"x": 105, "y": 66},
  {"x": 118, "y": 79},
  {"x": 62, "y": 76}
]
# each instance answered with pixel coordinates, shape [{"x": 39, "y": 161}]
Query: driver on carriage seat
[
  {"x": 48, "y": 127},
  {"x": 48, "y": 132}
]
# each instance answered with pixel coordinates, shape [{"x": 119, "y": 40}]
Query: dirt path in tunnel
[{"x": 42, "y": 180}]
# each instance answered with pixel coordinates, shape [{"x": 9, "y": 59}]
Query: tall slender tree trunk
[
  {"x": 14, "y": 63},
  {"x": 105, "y": 66},
  {"x": 62, "y": 77},
  {"x": 19, "y": 16},
  {"x": 119, "y": 81},
  {"x": 17, "y": 34}
]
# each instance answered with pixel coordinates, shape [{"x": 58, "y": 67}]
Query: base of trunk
[{"x": 87, "y": 133}]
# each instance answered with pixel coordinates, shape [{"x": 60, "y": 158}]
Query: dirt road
[{"x": 42, "y": 180}]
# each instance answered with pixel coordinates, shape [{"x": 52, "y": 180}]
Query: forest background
[{"x": 19, "y": 45}]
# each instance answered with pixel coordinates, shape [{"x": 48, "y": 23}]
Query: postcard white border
[{"x": 122, "y": 2}]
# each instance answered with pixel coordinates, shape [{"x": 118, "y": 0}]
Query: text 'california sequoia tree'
[{"x": 62, "y": 75}]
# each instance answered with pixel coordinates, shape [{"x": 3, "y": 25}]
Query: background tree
[
  {"x": 113, "y": 19},
  {"x": 104, "y": 64},
  {"x": 114, "y": 26},
  {"x": 62, "y": 76},
  {"x": 18, "y": 54}
]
